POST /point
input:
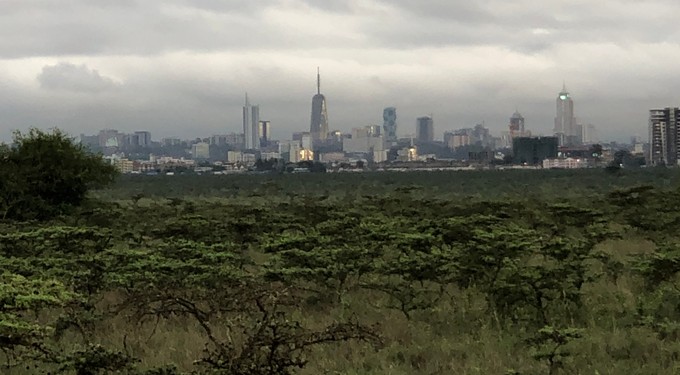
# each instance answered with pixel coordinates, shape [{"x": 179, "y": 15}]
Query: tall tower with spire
[
  {"x": 566, "y": 129},
  {"x": 319, "y": 124},
  {"x": 251, "y": 125}
]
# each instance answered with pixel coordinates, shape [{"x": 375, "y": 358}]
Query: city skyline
[
  {"x": 185, "y": 67},
  {"x": 250, "y": 114}
]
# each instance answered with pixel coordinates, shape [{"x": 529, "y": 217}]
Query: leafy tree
[
  {"x": 656, "y": 212},
  {"x": 21, "y": 337},
  {"x": 596, "y": 150},
  {"x": 266, "y": 164},
  {"x": 659, "y": 308},
  {"x": 312, "y": 166},
  {"x": 485, "y": 246},
  {"x": 549, "y": 344},
  {"x": 331, "y": 267},
  {"x": 95, "y": 360},
  {"x": 413, "y": 272},
  {"x": 45, "y": 174},
  {"x": 626, "y": 159}
]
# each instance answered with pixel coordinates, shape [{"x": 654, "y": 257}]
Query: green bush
[{"x": 44, "y": 174}]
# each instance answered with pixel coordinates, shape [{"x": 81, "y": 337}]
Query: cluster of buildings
[{"x": 567, "y": 147}]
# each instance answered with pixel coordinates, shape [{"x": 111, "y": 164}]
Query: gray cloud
[
  {"x": 185, "y": 64},
  {"x": 77, "y": 78},
  {"x": 46, "y": 28}
]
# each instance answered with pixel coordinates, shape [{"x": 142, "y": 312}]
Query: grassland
[{"x": 496, "y": 272}]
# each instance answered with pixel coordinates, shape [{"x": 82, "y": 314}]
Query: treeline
[{"x": 549, "y": 185}]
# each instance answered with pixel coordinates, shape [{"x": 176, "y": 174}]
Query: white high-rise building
[
  {"x": 365, "y": 140},
  {"x": 251, "y": 125},
  {"x": 589, "y": 134},
  {"x": 664, "y": 133},
  {"x": 566, "y": 129},
  {"x": 200, "y": 150}
]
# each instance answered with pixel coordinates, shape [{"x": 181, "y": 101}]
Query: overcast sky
[{"x": 181, "y": 67}]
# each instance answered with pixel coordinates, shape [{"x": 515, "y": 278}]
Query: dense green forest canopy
[{"x": 496, "y": 272}]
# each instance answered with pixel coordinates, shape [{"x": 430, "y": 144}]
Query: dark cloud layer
[{"x": 180, "y": 67}]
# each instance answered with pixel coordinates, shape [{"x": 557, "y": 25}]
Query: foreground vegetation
[
  {"x": 401, "y": 282},
  {"x": 425, "y": 273}
]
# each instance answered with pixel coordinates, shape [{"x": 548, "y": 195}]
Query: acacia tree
[
  {"x": 44, "y": 174},
  {"x": 22, "y": 337}
]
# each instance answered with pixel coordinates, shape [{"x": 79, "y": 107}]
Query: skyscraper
[
  {"x": 565, "y": 124},
  {"x": 425, "y": 129},
  {"x": 664, "y": 137},
  {"x": 143, "y": 138},
  {"x": 390, "y": 124},
  {"x": 251, "y": 123},
  {"x": 589, "y": 134},
  {"x": 516, "y": 125},
  {"x": 265, "y": 132},
  {"x": 319, "y": 124}
]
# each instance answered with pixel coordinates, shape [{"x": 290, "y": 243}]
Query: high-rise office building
[
  {"x": 367, "y": 140},
  {"x": 425, "y": 129},
  {"x": 265, "y": 128},
  {"x": 533, "y": 150},
  {"x": 664, "y": 136},
  {"x": 200, "y": 150},
  {"x": 456, "y": 139},
  {"x": 251, "y": 125},
  {"x": 109, "y": 138},
  {"x": 589, "y": 134},
  {"x": 307, "y": 141},
  {"x": 171, "y": 141},
  {"x": 390, "y": 124},
  {"x": 566, "y": 130},
  {"x": 374, "y": 130},
  {"x": 319, "y": 124},
  {"x": 481, "y": 136},
  {"x": 516, "y": 125},
  {"x": 143, "y": 138}
]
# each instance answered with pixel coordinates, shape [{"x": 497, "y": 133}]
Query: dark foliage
[{"x": 43, "y": 175}]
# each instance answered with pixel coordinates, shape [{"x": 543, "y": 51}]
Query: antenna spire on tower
[{"x": 318, "y": 80}]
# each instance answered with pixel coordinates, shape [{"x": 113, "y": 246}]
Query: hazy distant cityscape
[{"x": 395, "y": 144}]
